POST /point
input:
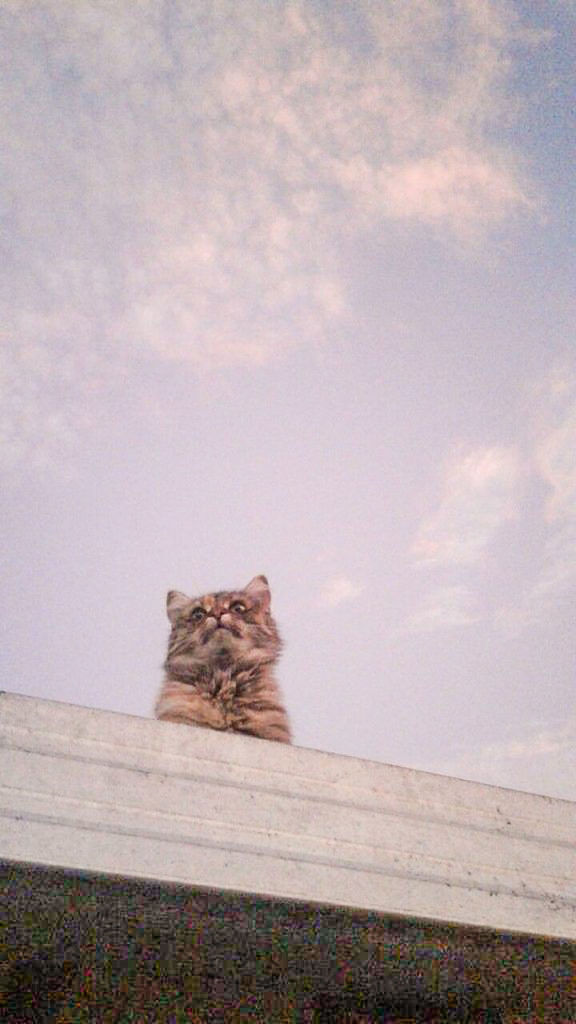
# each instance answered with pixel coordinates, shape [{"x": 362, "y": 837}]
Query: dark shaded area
[
  {"x": 88, "y": 948},
  {"x": 35, "y": 989}
]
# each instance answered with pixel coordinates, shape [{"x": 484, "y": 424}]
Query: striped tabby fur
[{"x": 220, "y": 663}]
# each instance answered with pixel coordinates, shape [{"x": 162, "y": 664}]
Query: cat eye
[
  {"x": 238, "y": 607},
  {"x": 197, "y": 615}
]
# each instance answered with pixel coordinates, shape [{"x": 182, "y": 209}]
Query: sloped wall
[
  {"x": 162, "y": 870},
  {"x": 112, "y": 793}
]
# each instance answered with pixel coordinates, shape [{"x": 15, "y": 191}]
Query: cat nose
[{"x": 225, "y": 619}]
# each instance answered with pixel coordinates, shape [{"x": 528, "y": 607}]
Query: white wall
[{"x": 110, "y": 793}]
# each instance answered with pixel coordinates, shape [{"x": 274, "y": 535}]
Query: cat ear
[
  {"x": 175, "y": 602},
  {"x": 258, "y": 588}
]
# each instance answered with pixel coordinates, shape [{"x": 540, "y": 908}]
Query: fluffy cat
[{"x": 219, "y": 668}]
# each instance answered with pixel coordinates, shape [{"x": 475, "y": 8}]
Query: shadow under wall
[{"x": 86, "y": 948}]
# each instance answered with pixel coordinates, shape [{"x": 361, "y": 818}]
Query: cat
[{"x": 220, "y": 663}]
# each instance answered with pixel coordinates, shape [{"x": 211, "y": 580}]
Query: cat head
[{"x": 225, "y": 627}]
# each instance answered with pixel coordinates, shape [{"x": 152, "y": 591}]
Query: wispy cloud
[
  {"x": 479, "y": 491},
  {"x": 43, "y": 401},
  {"x": 478, "y": 496},
  {"x": 337, "y": 590},
  {"x": 552, "y": 405},
  {"x": 555, "y": 454},
  {"x": 540, "y": 759},
  {"x": 179, "y": 178},
  {"x": 453, "y": 187},
  {"x": 483, "y": 489},
  {"x": 442, "y": 608}
]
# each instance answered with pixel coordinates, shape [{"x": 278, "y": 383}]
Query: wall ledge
[{"x": 94, "y": 791}]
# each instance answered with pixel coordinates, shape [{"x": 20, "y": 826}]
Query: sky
[{"x": 288, "y": 288}]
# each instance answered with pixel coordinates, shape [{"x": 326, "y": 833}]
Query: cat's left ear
[
  {"x": 175, "y": 602},
  {"x": 258, "y": 588}
]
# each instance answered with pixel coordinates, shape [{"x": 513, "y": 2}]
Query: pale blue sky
[{"x": 288, "y": 287}]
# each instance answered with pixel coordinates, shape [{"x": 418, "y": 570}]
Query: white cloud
[
  {"x": 552, "y": 411},
  {"x": 337, "y": 590},
  {"x": 448, "y": 607},
  {"x": 44, "y": 399},
  {"x": 479, "y": 495},
  {"x": 179, "y": 186},
  {"x": 454, "y": 187},
  {"x": 541, "y": 759},
  {"x": 555, "y": 459},
  {"x": 482, "y": 490}
]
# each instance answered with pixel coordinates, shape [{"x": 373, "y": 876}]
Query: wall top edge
[{"x": 35, "y": 719}]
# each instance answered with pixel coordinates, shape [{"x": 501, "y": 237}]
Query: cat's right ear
[
  {"x": 260, "y": 589},
  {"x": 175, "y": 602}
]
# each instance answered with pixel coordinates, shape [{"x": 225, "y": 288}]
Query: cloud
[
  {"x": 540, "y": 759},
  {"x": 179, "y": 179},
  {"x": 43, "y": 407},
  {"x": 483, "y": 489},
  {"x": 555, "y": 455},
  {"x": 454, "y": 187},
  {"x": 479, "y": 495},
  {"x": 447, "y": 607},
  {"x": 552, "y": 410},
  {"x": 337, "y": 590}
]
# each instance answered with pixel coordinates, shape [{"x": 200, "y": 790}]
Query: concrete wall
[
  {"x": 95, "y": 791},
  {"x": 157, "y": 873}
]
